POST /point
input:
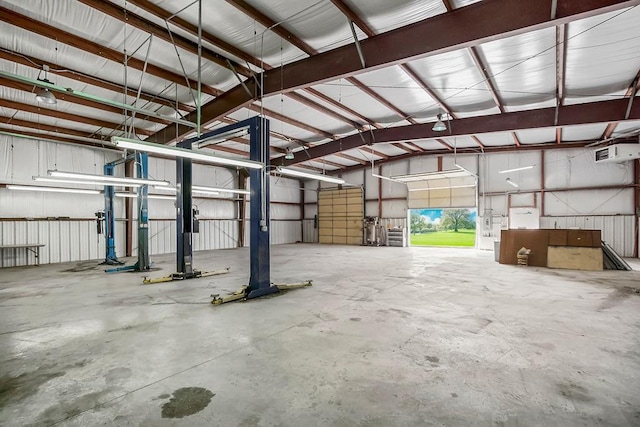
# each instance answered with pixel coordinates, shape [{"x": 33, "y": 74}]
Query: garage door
[
  {"x": 340, "y": 216},
  {"x": 446, "y": 189}
]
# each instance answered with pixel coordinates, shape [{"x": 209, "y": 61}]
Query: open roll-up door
[
  {"x": 340, "y": 216},
  {"x": 446, "y": 189}
]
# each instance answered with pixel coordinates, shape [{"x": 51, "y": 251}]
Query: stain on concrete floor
[
  {"x": 65, "y": 410},
  {"x": 14, "y": 389},
  {"x": 187, "y": 401}
]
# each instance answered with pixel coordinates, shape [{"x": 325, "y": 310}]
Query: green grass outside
[{"x": 445, "y": 238}]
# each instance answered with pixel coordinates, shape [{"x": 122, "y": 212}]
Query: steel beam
[
  {"x": 594, "y": 112},
  {"x": 37, "y": 109},
  {"x": 465, "y": 27},
  {"x": 78, "y": 42}
]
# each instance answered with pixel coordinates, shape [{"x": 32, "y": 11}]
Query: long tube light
[
  {"x": 51, "y": 189},
  {"x": 193, "y": 191},
  {"x": 166, "y": 150},
  {"x": 220, "y": 190},
  {"x": 442, "y": 188},
  {"x": 523, "y": 168},
  {"x": 75, "y": 181},
  {"x": 108, "y": 179},
  {"x": 511, "y": 183},
  {"x": 150, "y": 196},
  {"x": 293, "y": 172}
]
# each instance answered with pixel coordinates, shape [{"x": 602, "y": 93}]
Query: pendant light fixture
[
  {"x": 289, "y": 155},
  {"x": 43, "y": 94},
  {"x": 50, "y": 189},
  {"x": 439, "y": 126}
]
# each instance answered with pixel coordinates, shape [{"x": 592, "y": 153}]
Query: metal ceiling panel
[
  {"x": 583, "y": 132},
  {"x": 461, "y": 142},
  {"x": 397, "y": 87},
  {"x": 389, "y": 149},
  {"x": 484, "y": 112},
  {"x": 523, "y": 66},
  {"x": 349, "y": 95},
  {"x": 319, "y": 23},
  {"x": 287, "y": 106},
  {"x": 278, "y": 126},
  {"x": 501, "y": 139},
  {"x": 627, "y": 128},
  {"x": 536, "y": 136},
  {"x": 461, "y": 3},
  {"x": 383, "y": 15},
  {"x": 594, "y": 45},
  {"x": 455, "y": 79}
]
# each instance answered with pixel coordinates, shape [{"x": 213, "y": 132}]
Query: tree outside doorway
[{"x": 443, "y": 227}]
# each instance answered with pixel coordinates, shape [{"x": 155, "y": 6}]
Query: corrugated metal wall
[{"x": 64, "y": 240}]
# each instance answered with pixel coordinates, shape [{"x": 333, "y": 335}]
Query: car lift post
[
  {"x": 110, "y": 257},
  {"x": 141, "y": 161}
]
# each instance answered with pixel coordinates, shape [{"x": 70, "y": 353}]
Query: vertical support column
[
  {"x": 109, "y": 220},
  {"x": 379, "y": 194},
  {"x": 142, "y": 171},
  {"x": 184, "y": 218},
  {"x": 301, "y": 184},
  {"x": 541, "y": 183},
  {"x": 636, "y": 206},
  {"x": 128, "y": 203},
  {"x": 242, "y": 208},
  {"x": 260, "y": 279}
]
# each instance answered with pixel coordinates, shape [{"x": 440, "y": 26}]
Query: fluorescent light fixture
[
  {"x": 439, "y": 126},
  {"x": 221, "y": 137},
  {"x": 453, "y": 173},
  {"x": 442, "y": 188},
  {"x": 220, "y": 190},
  {"x": 51, "y": 189},
  {"x": 166, "y": 150},
  {"x": 386, "y": 178},
  {"x": 300, "y": 174},
  {"x": 523, "y": 168},
  {"x": 74, "y": 181},
  {"x": 108, "y": 179},
  {"x": 150, "y": 196},
  {"x": 513, "y": 184},
  {"x": 208, "y": 190}
]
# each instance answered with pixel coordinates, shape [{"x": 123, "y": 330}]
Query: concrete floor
[{"x": 385, "y": 337}]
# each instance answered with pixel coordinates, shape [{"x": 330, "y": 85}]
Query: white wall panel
[
  {"x": 589, "y": 202},
  {"x": 285, "y": 232},
  {"x": 309, "y": 232},
  {"x": 576, "y": 168}
]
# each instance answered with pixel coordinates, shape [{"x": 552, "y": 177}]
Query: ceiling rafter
[
  {"x": 147, "y": 26},
  {"x": 493, "y": 89},
  {"x": 54, "y": 137},
  {"x": 509, "y": 149},
  {"x": 449, "y": 6},
  {"x": 370, "y": 150},
  {"x": 67, "y": 72},
  {"x": 561, "y": 59},
  {"x": 78, "y": 42},
  {"x": 44, "y": 111},
  {"x": 578, "y": 114},
  {"x": 70, "y": 97},
  {"x": 280, "y": 30},
  {"x": 352, "y": 158},
  {"x": 49, "y": 128},
  {"x": 366, "y": 28},
  {"x": 192, "y": 47},
  {"x": 461, "y": 28},
  {"x": 633, "y": 88}
]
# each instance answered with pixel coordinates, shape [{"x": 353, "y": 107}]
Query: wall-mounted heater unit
[{"x": 617, "y": 153}]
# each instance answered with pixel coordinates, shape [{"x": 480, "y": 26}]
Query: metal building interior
[{"x": 206, "y": 212}]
